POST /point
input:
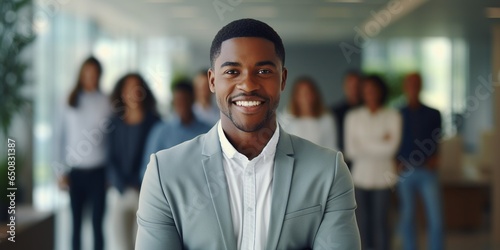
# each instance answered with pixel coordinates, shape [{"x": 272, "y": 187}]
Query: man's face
[
  {"x": 183, "y": 102},
  {"x": 352, "y": 88},
  {"x": 89, "y": 77},
  {"x": 412, "y": 87},
  {"x": 202, "y": 91},
  {"x": 247, "y": 78}
]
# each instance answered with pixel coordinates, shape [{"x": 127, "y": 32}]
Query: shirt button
[
  {"x": 249, "y": 209},
  {"x": 249, "y": 173}
]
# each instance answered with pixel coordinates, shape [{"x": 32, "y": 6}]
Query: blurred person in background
[
  {"x": 136, "y": 115},
  {"x": 352, "y": 100},
  {"x": 182, "y": 127},
  {"x": 308, "y": 117},
  {"x": 373, "y": 134},
  {"x": 80, "y": 147},
  {"x": 204, "y": 109},
  {"x": 421, "y": 133}
]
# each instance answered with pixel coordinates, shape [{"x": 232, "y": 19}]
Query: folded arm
[{"x": 339, "y": 229}]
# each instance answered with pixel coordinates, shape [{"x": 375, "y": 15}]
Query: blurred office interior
[{"x": 454, "y": 44}]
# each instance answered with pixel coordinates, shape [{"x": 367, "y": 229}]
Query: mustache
[{"x": 248, "y": 95}]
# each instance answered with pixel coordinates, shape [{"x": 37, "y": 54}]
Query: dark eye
[
  {"x": 264, "y": 71},
  {"x": 231, "y": 72}
]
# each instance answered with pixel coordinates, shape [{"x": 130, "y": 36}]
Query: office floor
[{"x": 455, "y": 240}]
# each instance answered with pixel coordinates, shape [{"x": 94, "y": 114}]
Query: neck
[
  {"x": 187, "y": 119},
  {"x": 414, "y": 104},
  {"x": 373, "y": 109},
  {"x": 89, "y": 90},
  {"x": 306, "y": 113},
  {"x": 133, "y": 115},
  {"x": 249, "y": 144},
  {"x": 204, "y": 103},
  {"x": 352, "y": 102}
]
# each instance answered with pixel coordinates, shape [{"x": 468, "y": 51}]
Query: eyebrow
[
  {"x": 258, "y": 64},
  {"x": 264, "y": 63},
  {"x": 230, "y": 64}
]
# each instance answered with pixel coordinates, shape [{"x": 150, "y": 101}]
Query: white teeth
[{"x": 248, "y": 103}]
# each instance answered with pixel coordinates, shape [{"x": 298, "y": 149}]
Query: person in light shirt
[
  {"x": 80, "y": 153},
  {"x": 373, "y": 134},
  {"x": 308, "y": 117},
  {"x": 247, "y": 184}
]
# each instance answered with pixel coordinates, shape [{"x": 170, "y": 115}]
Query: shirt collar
[{"x": 231, "y": 152}]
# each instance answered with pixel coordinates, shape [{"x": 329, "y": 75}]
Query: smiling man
[{"x": 247, "y": 184}]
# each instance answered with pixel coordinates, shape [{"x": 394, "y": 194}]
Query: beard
[{"x": 251, "y": 127}]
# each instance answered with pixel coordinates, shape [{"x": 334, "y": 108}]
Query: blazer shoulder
[
  {"x": 181, "y": 155},
  {"x": 315, "y": 154}
]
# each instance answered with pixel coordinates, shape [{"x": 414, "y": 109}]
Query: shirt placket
[{"x": 248, "y": 242}]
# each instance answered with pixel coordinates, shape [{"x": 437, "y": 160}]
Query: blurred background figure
[
  {"x": 421, "y": 136},
  {"x": 136, "y": 114},
  {"x": 205, "y": 110},
  {"x": 373, "y": 134},
  {"x": 81, "y": 148},
  {"x": 307, "y": 115},
  {"x": 352, "y": 99},
  {"x": 182, "y": 127}
]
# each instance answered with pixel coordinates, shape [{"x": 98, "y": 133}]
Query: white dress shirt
[
  {"x": 250, "y": 191},
  {"x": 372, "y": 141}
]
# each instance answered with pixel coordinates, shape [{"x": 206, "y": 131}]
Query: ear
[
  {"x": 284, "y": 75},
  {"x": 211, "y": 80}
]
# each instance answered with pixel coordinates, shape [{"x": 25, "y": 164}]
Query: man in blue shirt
[
  {"x": 180, "y": 128},
  {"x": 418, "y": 159}
]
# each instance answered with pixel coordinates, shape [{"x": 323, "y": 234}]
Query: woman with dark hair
[
  {"x": 135, "y": 115},
  {"x": 307, "y": 115},
  {"x": 372, "y": 137},
  {"x": 81, "y": 149}
]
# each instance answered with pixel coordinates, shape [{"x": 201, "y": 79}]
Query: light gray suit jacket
[{"x": 184, "y": 200}]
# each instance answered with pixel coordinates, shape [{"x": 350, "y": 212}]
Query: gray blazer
[{"x": 184, "y": 200}]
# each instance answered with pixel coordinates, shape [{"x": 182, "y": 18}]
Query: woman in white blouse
[
  {"x": 81, "y": 150},
  {"x": 372, "y": 137},
  {"x": 307, "y": 116}
]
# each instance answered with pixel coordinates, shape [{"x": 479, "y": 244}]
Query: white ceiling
[{"x": 295, "y": 20}]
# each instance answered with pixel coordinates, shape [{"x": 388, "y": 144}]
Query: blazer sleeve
[
  {"x": 339, "y": 229},
  {"x": 156, "y": 226},
  {"x": 151, "y": 146}
]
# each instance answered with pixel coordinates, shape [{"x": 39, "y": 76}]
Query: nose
[{"x": 248, "y": 83}]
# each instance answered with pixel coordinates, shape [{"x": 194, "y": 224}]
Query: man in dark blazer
[{"x": 247, "y": 184}]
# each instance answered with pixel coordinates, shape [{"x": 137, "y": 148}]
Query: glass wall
[{"x": 63, "y": 42}]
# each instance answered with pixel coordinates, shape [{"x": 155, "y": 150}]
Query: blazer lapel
[
  {"x": 283, "y": 171},
  {"x": 217, "y": 186}
]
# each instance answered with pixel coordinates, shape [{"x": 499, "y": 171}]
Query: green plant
[{"x": 15, "y": 35}]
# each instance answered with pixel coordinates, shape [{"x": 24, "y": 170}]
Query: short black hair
[
  {"x": 246, "y": 28},
  {"x": 184, "y": 85},
  {"x": 379, "y": 83}
]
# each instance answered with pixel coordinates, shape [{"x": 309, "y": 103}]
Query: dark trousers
[
  {"x": 87, "y": 188},
  {"x": 372, "y": 216}
]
